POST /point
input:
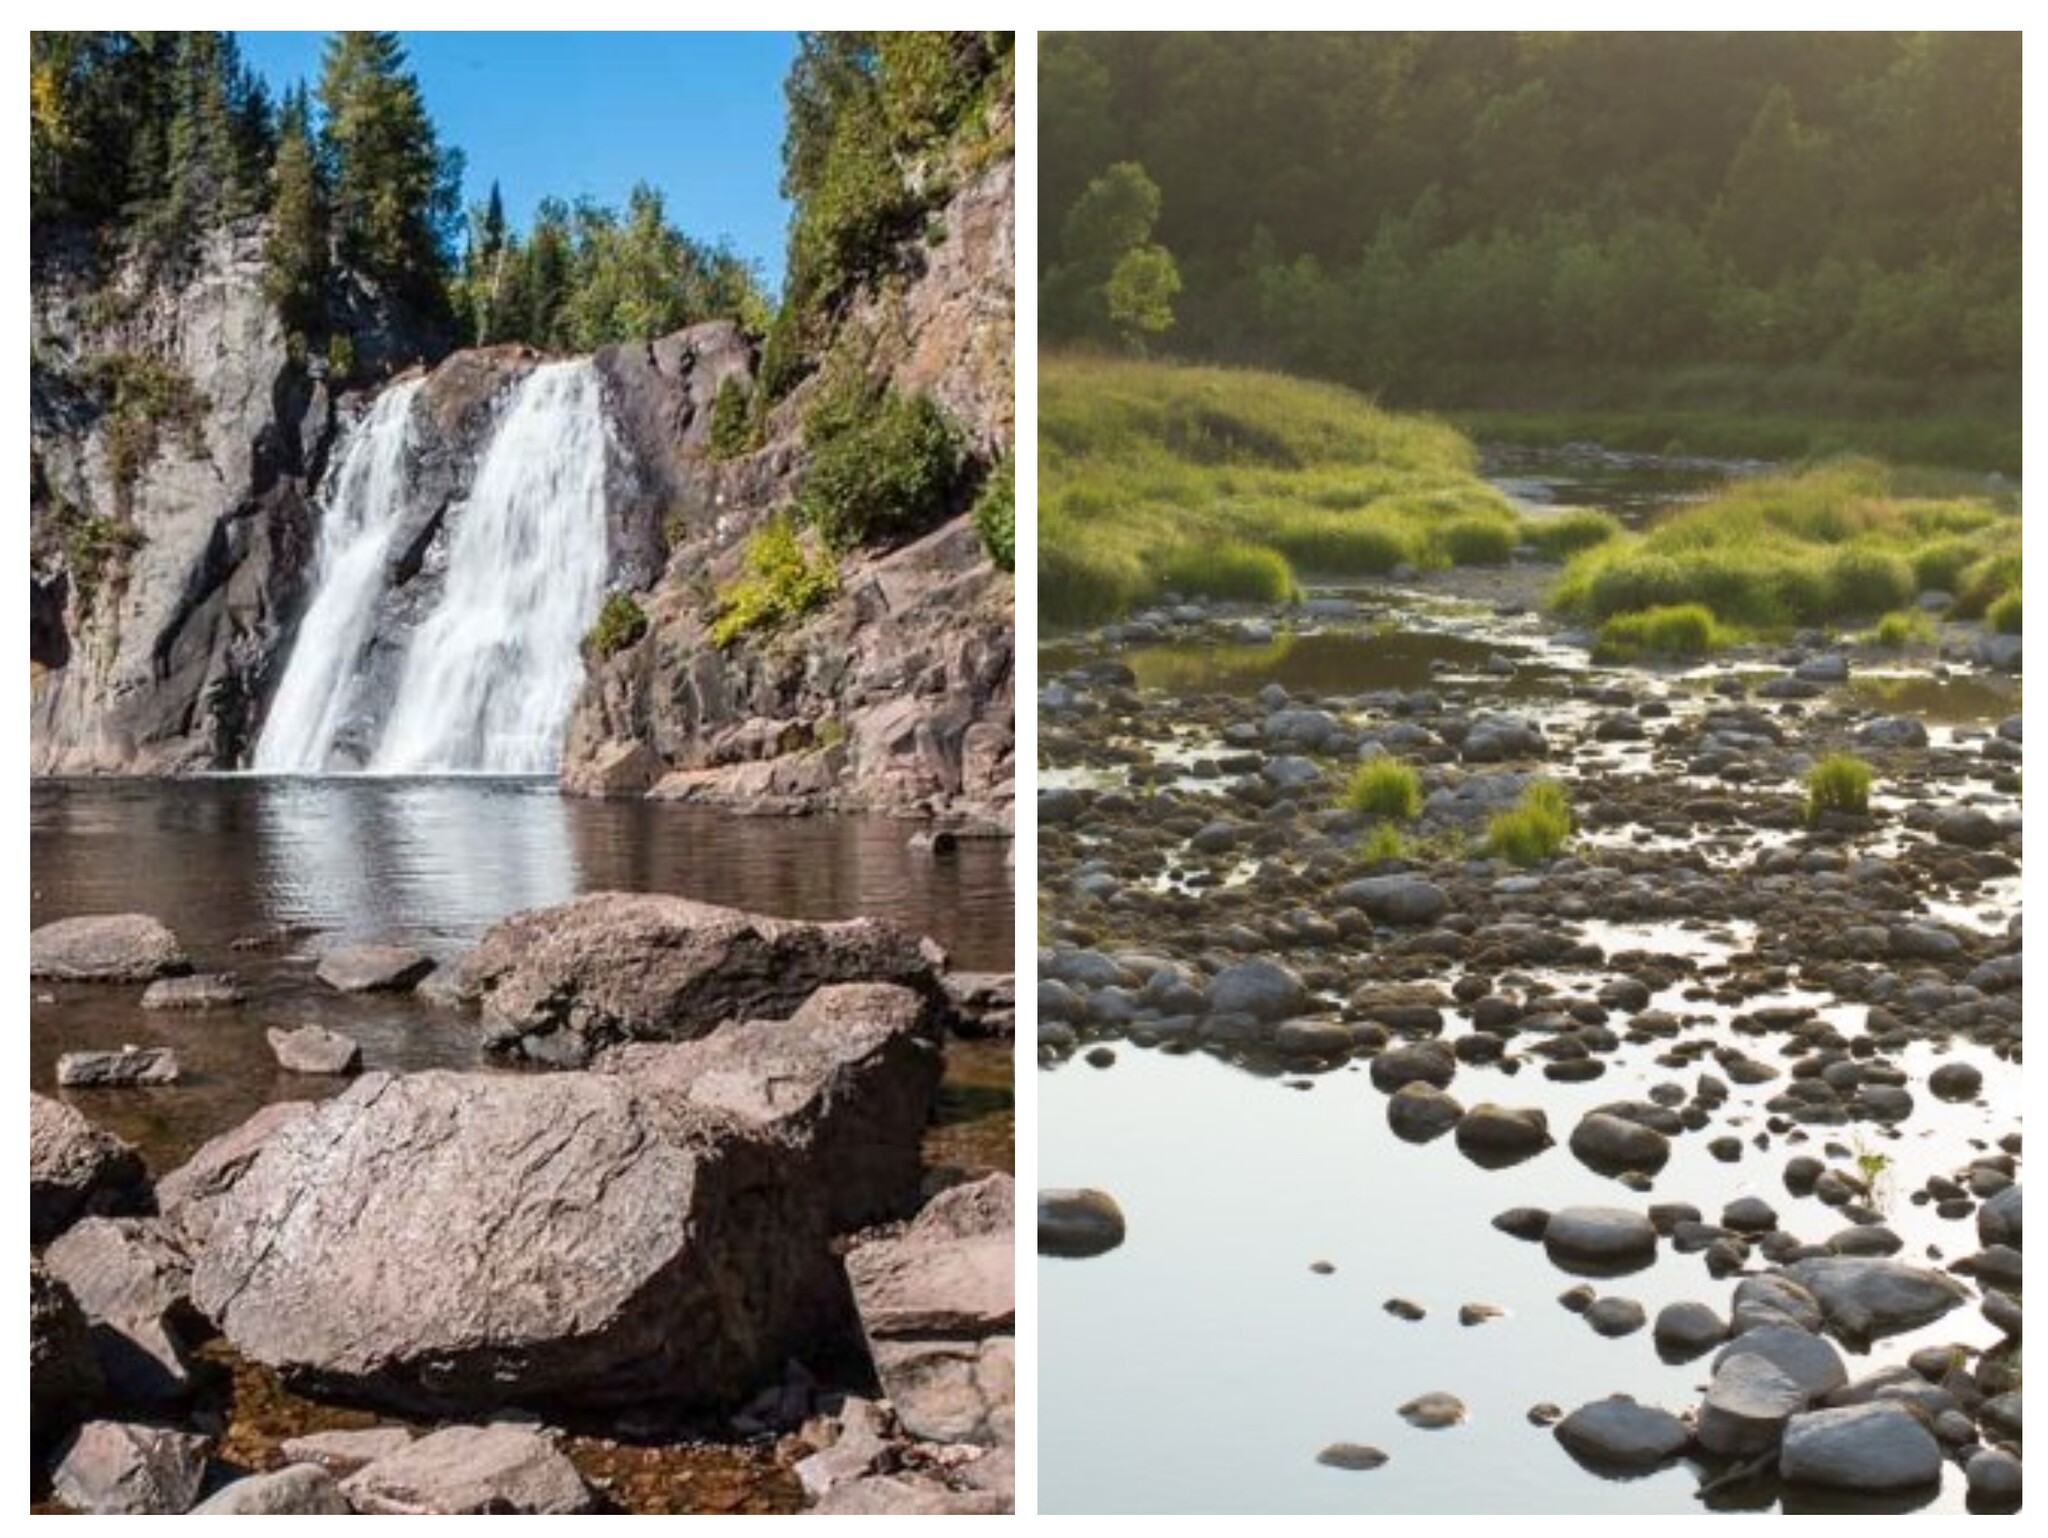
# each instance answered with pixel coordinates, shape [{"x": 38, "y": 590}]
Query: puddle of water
[{"x": 1234, "y": 1184}]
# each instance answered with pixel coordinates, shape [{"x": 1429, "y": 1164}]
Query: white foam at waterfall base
[
  {"x": 362, "y": 508},
  {"x": 491, "y": 676}
]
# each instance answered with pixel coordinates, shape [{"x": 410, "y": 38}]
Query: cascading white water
[
  {"x": 364, "y": 503},
  {"x": 490, "y": 675}
]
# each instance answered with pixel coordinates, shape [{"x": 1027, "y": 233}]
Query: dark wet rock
[
  {"x": 64, "y": 1380},
  {"x": 1808, "y": 1360},
  {"x": 75, "y": 1168},
  {"x": 2001, "y": 1412},
  {"x": 2002, "y": 1311},
  {"x": 105, "y": 948},
  {"x": 297, "y": 1490},
  {"x": 1420, "y": 1112},
  {"x": 1433, "y": 1411},
  {"x": 341, "y": 1453},
  {"x": 1994, "y": 1478},
  {"x": 1353, "y": 1457},
  {"x": 1314, "y": 1038},
  {"x": 1774, "y": 1299},
  {"x": 559, "y": 983},
  {"x": 1874, "y": 1447},
  {"x": 188, "y": 1194},
  {"x": 1865, "y": 1300},
  {"x": 1955, "y": 1081},
  {"x": 1749, "y": 1215},
  {"x": 133, "y": 1280},
  {"x": 1600, "y": 1237},
  {"x": 1893, "y": 732},
  {"x": 1616, "y": 1317},
  {"x": 1576, "y": 1300},
  {"x": 845, "y": 1086},
  {"x": 1399, "y": 900},
  {"x": 1924, "y": 942},
  {"x": 1530, "y": 1223},
  {"x": 1865, "y": 1239},
  {"x": 202, "y": 990},
  {"x": 1687, "y": 1330},
  {"x": 1470, "y": 1314},
  {"x": 373, "y": 969},
  {"x": 1611, "y": 1145},
  {"x": 1265, "y": 990},
  {"x": 471, "y": 1469},
  {"x": 130, "y": 1067},
  {"x": 115, "y": 1469},
  {"x": 1496, "y": 1136},
  {"x": 1747, "y": 1405},
  {"x": 1998, "y": 1220},
  {"x": 1405, "y": 1308},
  {"x": 1802, "y": 1172},
  {"x": 443, "y": 1240},
  {"x": 1969, "y": 827},
  {"x": 313, "y": 1049},
  {"x": 1420, "y": 1062},
  {"x": 932, "y": 1301},
  {"x": 1077, "y": 1224},
  {"x": 1618, "y": 1433}
]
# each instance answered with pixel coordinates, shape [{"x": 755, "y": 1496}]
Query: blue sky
[{"x": 570, "y": 114}]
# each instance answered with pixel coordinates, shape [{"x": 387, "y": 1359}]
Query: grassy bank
[
  {"x": 1229, "y": 483},
  {"x": 1838, "y": 543},
  {"x": 1736, "y": 411}
]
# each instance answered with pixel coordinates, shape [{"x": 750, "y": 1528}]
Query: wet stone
[
  {"x": 1873, "y": 1447},
  {"x": 1433, "y": 1411},
  {"x": 1618, "y": 1433},
  {"x": 1351, "y": 1456},
  {"x": 1078, "y": 1224}
]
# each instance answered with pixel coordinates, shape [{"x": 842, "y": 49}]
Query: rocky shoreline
[
  {"x": 709, "y": 1251},
  {"x": 1703, "y": 967}
]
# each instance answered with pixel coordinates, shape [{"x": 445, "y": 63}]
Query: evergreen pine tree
[{"x": 297, "y": 251}]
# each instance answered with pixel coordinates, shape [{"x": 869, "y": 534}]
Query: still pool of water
[
  {"x": 1203, "y": 1365},
  {"x": 427, "y": 863}
]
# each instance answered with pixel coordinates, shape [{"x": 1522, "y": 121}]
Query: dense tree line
[{"x": 1369, "y": 207}]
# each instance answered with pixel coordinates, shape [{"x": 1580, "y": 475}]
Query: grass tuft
[
  {"x": 1838, "y": 783},
  {"x": 1535, "y": 828},
  {"x": 1385, "y": 788}
]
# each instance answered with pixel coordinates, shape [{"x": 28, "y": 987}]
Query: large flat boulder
[
  {"x": 105, "y": 948},
  {"x": 1865, "y": 1298},
  {"x": 1868, "y": 1447},
  {"x": 75, "y": 1168},
  {"x": 451, "y": 1241},
  {"x": 557, "y": 984},
  {"x": 471, "y": 1470},
  {"x": 188, "y": 1195},
  {"x": 847, "y": 1082}
]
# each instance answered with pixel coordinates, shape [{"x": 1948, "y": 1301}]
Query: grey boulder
[
  {"x": 467, "y": 1470},
  {"x": 313, "y": 1049},
  {"x": 105, "y": 948},
  {"x": 1865, "y": 1299},
  {"x": 1869, "y": 1447},
  {"x": 1617, "y": 1433},
  {"x": 373, "y": 969}
]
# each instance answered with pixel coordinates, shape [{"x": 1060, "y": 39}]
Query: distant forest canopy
[
  {"x": 153, "y": 140},
  {"x": 1372, "y": 207}
]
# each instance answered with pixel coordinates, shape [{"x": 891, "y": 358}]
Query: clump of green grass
[
  {"x": 1836, "y": 543},
  {"x": 1535, "y": 828},
  {"x": 619, "y": 624},
  {"x": 1384, "y": 842},
  {"x": 1568, "y": 533},
  {"x": 1902, "y": 628},
  {"x": 1475, "y": 541},
  {"x": 2004, "y": 614},
  {"x": 1669, "y": 630},
  {"x": 995, "y": 514},
  {"x": 1838, "y": 783},
  {"x": 779, "y": 583},
  {"x": 1385, "y": 788},
  {"x": 1229, "y": 569}
]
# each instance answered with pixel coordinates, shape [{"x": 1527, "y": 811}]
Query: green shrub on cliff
[
  {"x": 620, "y": 623},
  {"x": 143, "y": 397},
  {"x": 779, "y": 583},
  {"x": 733, "y": 426},
  {"x": 995, "y": 514},
  {"x": 883, "y": 466}
]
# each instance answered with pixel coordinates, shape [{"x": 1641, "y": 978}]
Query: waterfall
[
  {"x": 364, "y": 502},
  {"x": 490, "y": 675}
]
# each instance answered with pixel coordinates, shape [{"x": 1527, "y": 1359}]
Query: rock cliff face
[
  {"x": 177, "y": 447},
  {"x": 897, "y": 695}
]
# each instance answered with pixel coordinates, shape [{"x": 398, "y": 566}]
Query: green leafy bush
[
  {"x": 779, "y": 583},
  {"x": 1384, "y": 788},
  {"x": 1838, "y": 783},
  {"x": 143, "y": 397},
  {"x": 1535, "y": 828},
  {"x": 1904, "y": 627},
  {"x": 883, "y": 466},
  {"x": 1670, "y": 630},
  {"x": 732, "y": 420},
  {"x": 620, "y": 623},
  {"x": 995, "y": 514}
]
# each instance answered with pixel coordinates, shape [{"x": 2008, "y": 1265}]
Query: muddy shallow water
[{"x": 425, "y": 863}]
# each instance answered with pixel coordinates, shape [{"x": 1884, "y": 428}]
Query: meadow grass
[
  {"x": 1843, "y": 541},
  {"x": 1160, "y": 478},
  {"x": 2004, "y": 615},
  {"x": 1670, "y": 630},
  {"x": 1904, "y": 627}
]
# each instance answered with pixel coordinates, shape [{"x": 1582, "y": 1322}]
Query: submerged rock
[
  {"x": 312, "y": 1049},
  {"x": 129, "y": 1067},
  {"x": 373, "y": 969},
  {"x": 203, "y": 990}
]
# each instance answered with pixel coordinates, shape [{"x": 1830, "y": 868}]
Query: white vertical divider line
[{"x": 1024, "y": 454}]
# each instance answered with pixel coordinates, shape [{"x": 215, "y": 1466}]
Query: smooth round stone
[
  {"x": 1687, "y": 1329},
  {"x": 1994, "y": 1476},
  {"x": 1749, "y": 1215},
  {"x": 1955, "y": 1081},
  {"x": 1403, "y": 1308},
  {"x": 1611, "y": 1145},
  {"x": 1747, "y": 1405},
  {"x": 1434, "y": 1411},
  {"x": 1314, "y": 1038},
  {"x": 1618, "y": 1433},
  {"x": 1099, "y": 1057},
  {"x": 1810, "y": 1361},
  {"x": 1478, "y": 1313},
  {"x": 1616, "y": 1317},
  {"x": 1420, "y": 1113},
  {"x": 1600, "y": 1237},
  {"x": 1495, "y": 1136},
  {"x": 1352, "y": 1456},
  {"x": 1869, "y": 1447},
  {"x": 1078, "y": 1224}
]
